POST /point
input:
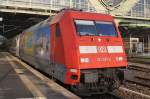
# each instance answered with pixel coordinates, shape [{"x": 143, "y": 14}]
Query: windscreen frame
[{"x": 94, "y": 21}]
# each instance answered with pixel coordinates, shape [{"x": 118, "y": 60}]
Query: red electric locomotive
[{"x": 81, "y": 49}]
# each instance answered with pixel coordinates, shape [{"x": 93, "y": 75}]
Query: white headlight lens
[
  {"x": 119, "y": 58},
  {"x": 73, "y": 70}
]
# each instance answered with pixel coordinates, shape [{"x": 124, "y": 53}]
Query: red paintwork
[{"x": 65, "y": 50}]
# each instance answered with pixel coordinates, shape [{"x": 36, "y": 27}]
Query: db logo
[{"x": 102, "y": 49}]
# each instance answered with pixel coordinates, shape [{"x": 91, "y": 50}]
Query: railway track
[
  {"x": 139, "y": 66},
  {"x": 139, "y": 60},
  {"x": 142, "y": 69},
  {"x": 140, "y": 73},
  {"x": 126, "y": 93},
  {"x": 104, "y": 96},
  {"x": 138, "y": 79},
  {"x": 121, "y": 93}
]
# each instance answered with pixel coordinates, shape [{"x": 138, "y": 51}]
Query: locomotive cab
[{"x": 92, "y": 50}]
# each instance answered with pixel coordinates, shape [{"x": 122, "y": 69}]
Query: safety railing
[
  {"x": 56, "y": 5},
  {"x": 47, "y": 4}
]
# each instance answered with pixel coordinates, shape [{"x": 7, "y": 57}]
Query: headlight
[
  {"x": 73, "y": 70},
  {"x": 120, "y": 58}
]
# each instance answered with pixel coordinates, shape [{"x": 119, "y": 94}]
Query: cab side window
[{"x": 57, "y": 30}]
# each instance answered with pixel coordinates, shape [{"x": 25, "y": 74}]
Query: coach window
[{"x": 57, "y": 30}]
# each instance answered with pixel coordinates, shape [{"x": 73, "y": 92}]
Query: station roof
[
  {"x": 133, "y": 25},
  {"x": 14, "y": 23},
  {"x": 134, "y": 29}
]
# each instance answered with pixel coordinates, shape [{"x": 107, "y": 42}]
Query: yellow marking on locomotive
[{"x": 29, "y": 43}]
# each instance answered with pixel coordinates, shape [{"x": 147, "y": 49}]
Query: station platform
[{"x": 20, "y": 81}]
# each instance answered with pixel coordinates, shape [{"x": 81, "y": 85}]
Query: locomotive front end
[
  {"x": 95, "y": 52},
  {"x": 101, "y": 55}
]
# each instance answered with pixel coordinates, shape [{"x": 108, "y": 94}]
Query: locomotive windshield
[
  {"x": 95, "y": 28},
  {"x": 85, "y": 27},
  {"x": 105, "y": 29}
]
